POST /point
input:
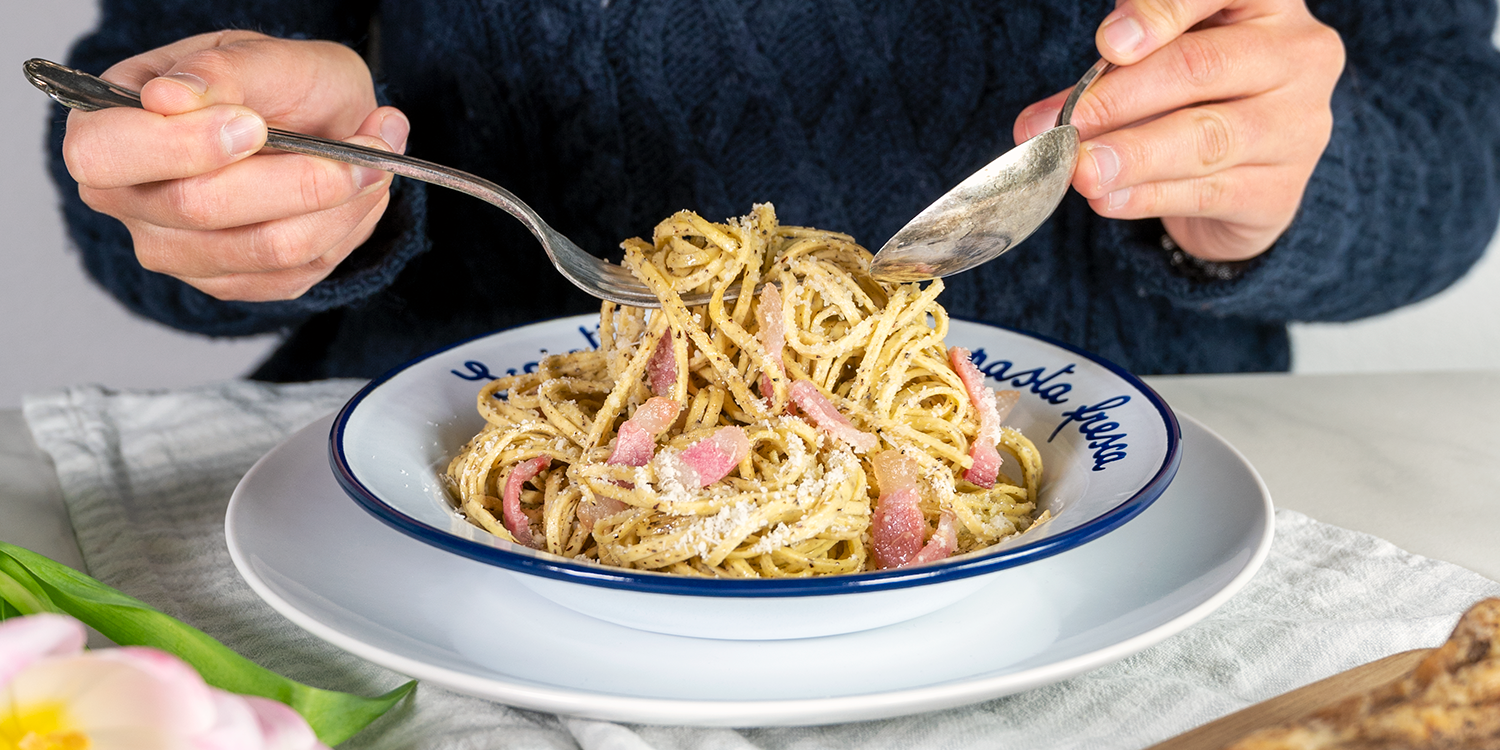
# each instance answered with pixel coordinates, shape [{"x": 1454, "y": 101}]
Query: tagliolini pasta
[{"x": 819, "y": 426}]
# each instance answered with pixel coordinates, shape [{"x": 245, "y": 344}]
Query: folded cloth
[{"x": 147, "y": 476}]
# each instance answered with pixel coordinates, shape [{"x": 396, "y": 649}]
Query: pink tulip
[{"x": 54, "y": 695}]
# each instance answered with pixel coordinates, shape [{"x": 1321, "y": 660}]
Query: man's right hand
[{"x": 185, "y": 178}]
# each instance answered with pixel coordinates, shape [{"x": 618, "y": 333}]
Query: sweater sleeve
[
  {"x": 129, "y": 27},
  {"x": 1405, "y": 198}
]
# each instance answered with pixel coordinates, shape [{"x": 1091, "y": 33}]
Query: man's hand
[
  {"x": 1214, "y": 122},
  {"x": 185, "y": 178}
]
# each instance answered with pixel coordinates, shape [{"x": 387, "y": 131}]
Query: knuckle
[
  {"x": 1199, "y": 61},
  {"x": 1327, "y": 47},
  {"x": 94, "y": 198},
  {"x": 277, "y": 246},
  {"x": 1210, "y": 193},
  {"x": 1100, "y": 109},
  {"x": 319, "y": 186},
  {"x": 83, "y": 160},
  {"x": 1213, "y": 136},
  {"x": 1166, "y": 17},
  {"x": 152, "y": 252},
  {"x": 211, "y": 63},
  {"x": 194, "y": 204},
  {"x": 346, "y": 54}
]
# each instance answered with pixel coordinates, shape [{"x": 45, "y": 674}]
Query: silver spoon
[
  {"x": 600, "y": 278},
  {"x": 993, "y": 209}
]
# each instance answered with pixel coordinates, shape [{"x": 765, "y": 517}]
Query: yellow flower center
[{"x": 39, "y": 727}]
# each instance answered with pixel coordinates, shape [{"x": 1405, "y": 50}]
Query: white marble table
[{"x": 1412, "y": 458}]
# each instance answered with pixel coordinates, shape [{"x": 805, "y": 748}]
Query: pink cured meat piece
[
  {"x": 712, "y": 458},
  {"x": 986, "y": 458},
  {"x": 661, "y": 371},
  {"x": 821, "y": 411},
  {"x": 943, "y": 542},
  {"x": 516, "y": 521},
  {"x": 897, "y": 525},
  {"x": 601, "y": 508},
  {"x": 636, "y": 441},
  {"x": 772, "y": 332}
]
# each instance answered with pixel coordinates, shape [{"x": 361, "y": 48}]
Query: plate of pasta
[{"x": 821, "y": 455}]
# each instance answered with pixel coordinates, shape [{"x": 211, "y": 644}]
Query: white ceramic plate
[
  {"x": 1109, "y": 447},
  {"x": 342, "y": 575}
]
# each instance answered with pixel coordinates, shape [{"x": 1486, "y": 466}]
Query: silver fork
[{"x": 600, "y": 278}]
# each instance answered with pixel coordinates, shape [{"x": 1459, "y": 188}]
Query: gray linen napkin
[{"x": 147, "y": 476}]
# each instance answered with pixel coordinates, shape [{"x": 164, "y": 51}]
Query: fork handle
[{"x": 76, "y": 89}]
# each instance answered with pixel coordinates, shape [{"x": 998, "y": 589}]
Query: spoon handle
[
  {"x": 1065, "y": 116},
  {"x": 79, "y": 90}
]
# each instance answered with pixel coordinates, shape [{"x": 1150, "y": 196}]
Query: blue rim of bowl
[{"x": 535, "y": 562}]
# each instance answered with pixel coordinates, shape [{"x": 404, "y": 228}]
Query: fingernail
[
  {"x": 394, "y": 130},
  {"x": 1038, "y": 122},
  {"x": 193, "y": 83},
  {"x": 1124, "y": 35},
  {"x": 1117, "y": 199},
  {"x": 1106, "y": 163},
  {"x": 365, "y": 177},
  {"x": 241, "y": 135}
]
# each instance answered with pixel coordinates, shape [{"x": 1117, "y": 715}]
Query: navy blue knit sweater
[{"x": 847, "y": 115}]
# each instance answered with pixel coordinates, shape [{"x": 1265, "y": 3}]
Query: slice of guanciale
[{"x": 1450, "y": 701}]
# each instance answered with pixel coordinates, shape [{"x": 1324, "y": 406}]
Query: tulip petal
[
  {"x": 236, "y": 726},
  {"x": 283, "y": 728},
  {"x": 104, "y": 690},
  {"x": 137, "y": 738},
  {"x": 25, "y": 640}
]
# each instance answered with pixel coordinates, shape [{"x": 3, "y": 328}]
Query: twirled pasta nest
[{"x": 801, "y": 498}]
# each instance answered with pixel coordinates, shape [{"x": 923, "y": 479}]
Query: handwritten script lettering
[
  {"x": 1104, "y": 435},
  {"x": 1037, "y": 379},
  {"x": 480, "y": 371}
]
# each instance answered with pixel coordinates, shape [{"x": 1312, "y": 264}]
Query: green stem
[{"x": 17, "y": 595}]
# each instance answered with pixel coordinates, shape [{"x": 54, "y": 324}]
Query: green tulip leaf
[{"x": 31, "y": 583}]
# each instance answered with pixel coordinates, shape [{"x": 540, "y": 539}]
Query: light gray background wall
[{"x": 58, "y": 328}]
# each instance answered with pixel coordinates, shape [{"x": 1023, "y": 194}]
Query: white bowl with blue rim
[{"x": 1109, "y": 447}]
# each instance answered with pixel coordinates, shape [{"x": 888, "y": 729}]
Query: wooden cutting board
[{"x": 1295, "y": 704}]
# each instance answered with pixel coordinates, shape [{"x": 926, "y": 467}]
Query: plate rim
[
  {"x": 526, "y": 693},
  {"x": 562, "y": 569}
]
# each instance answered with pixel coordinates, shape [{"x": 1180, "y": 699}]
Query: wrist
[{"x": 1198, "y": 270}]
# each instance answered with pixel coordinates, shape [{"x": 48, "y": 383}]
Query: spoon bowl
[{"x": 992, "y": 210}]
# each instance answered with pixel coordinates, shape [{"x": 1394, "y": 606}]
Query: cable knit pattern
[{"x": 847, "y": 115}]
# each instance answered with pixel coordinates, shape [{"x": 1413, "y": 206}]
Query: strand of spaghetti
[
  {"x": 680, "y": 363},
  {"x": 797, "y": 503},
  {"x": 675, "y": 311},
  {"x": 689, "y": 223},
  {"x": 624, "y": 384},
  {"x": 559, "y": 506},
  {"x": 912, "y": 362},
  {"x": 760, "y": 360},
  {"x": 873, "y": 358},
  {"x": 1026, "y": 454},
  {"x": 563, "y": 412}
]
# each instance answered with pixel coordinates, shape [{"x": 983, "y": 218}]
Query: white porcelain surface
[
  {"x": 336, "y": 571},
  {"x": 1107, "y": 441}
]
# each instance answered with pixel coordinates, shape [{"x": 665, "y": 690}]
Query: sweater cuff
[{"x": 1287, "y": 282}]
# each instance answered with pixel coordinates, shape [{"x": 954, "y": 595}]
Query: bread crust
[{"x": 1450, "y": 701}]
